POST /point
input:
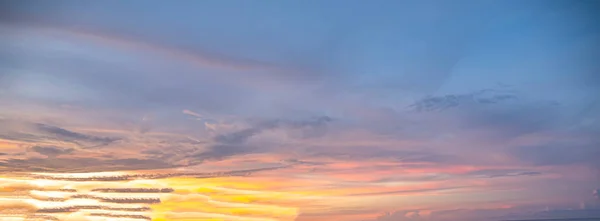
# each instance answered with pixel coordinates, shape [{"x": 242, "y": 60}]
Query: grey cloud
[
  {"x": 60, "y": 145},
  {"x": 311, "y": 127},
  {"x": 79, "y": 164},
  {"x": 313, "y": 122},
  {"x": 220, "y": 151},
  {"x": 67, "y": 135},
  {"x": 51, "y": 151},
  {"x": 501, "y": 113},
  {"x": 439, "y": 103},
  {"x": 494, "y": 173},
  {"x": 236, "y": 142},
  {"x": 241, "y": 136},
  {"x": 314, "y": 127},
  {"x": 21, "y": 136},
  {"x": 14, "y": 129}
]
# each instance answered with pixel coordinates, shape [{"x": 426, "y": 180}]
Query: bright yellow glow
[{"x": 192, "y": 199}]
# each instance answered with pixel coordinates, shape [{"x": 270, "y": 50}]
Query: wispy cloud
[
  {"x": 67, "y": 135},
  {"x": 192, "y": 113}
]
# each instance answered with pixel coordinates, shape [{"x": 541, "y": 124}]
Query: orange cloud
[{"x": 8, "y": 144}]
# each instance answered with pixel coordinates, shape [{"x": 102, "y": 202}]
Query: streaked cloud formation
[{"x": 308, "y": 110}]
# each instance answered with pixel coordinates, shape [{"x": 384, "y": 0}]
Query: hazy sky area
[{"x": 367, "y": 110}]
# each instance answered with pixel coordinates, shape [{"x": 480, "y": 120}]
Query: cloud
[
  {"x": 481, "y": 97},
  {"x": 495, "y": 114},
  {"x": 70, "y": 151},
  {"x": 79, "y": 164},
  {"x": 160, "y": 175},
  {"x": 230, "y": 74},
  {"x": 192, "y": 113},
  {"x": 200, "y": 58},
  {"x": 233, "y": 143},
  {"x": 309, "y": 127},
  {"x": 372, "y": 148},
  {"x": 51, "y": 151},
  {"x": 241, "y": 136},
  {"x": 67, "y": 135},
  {"x": 495, "y": 173},
  {"x": 19, "y": 130}
]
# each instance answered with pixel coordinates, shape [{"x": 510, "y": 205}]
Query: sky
[{"x": 302, "y": 110}]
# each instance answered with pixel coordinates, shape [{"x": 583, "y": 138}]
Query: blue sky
[{"x": 471, "y": 89}]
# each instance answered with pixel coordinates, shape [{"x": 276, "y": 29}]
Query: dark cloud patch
[
  {"x": 560, "y": 153},
  {"x": 51, "y": 151},
  {"x": 311, "y": 128},
  {"x": 495, "y": 173},
  {"x": 242, "y": 136},
  {"x": 67, "y": 135},
  {"x": 236, "y": 142},
  {"x": 502, "y": 115},
  {"x": 314, "y": 127},
  {"x": 220, "y": 151},
  {"x": 439, "y": 103},
  {"x": 80, "y": 164},
  {"x": 19, "y": 130},
  {"x": 60, "y": 145},
  {"x": 20, "y": 136},
  {"x": 312, "y": 122}
]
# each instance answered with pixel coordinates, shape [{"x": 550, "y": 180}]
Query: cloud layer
[{"x": 410, "y": 111}]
